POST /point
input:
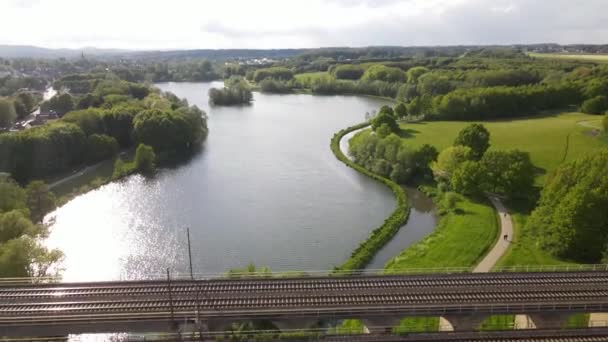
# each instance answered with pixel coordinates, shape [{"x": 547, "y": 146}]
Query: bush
[
  {"x": 596, "y": 105},
  {"x": 383, "y": 73},
  {"x": 236, "y": 92},
  {"x": 274, "y": 86},
  {"x": 277, "y": 73},
  {"x": 145, "y": 159},
  {"x": 348, "y": 72}
]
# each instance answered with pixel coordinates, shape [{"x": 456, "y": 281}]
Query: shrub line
[{"x": 368, "y": 248}]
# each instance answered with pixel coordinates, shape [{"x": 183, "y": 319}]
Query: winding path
[{"x": 501, "y": 246}]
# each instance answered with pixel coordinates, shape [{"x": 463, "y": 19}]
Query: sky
[{"x": 216, "y": 24}]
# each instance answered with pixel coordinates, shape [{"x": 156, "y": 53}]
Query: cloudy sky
[{"x": 173, "y": 24}]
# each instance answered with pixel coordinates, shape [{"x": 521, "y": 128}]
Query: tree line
[{"x": 123, "y": 117}]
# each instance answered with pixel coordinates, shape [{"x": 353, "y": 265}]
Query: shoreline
[{"x": 381, "y": 235}]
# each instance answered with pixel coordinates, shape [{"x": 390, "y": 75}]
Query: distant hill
[
  {"x": 215, "y": 54},
  {"x": 26, "y": 51},
  {"x": 339, "y": 53}
]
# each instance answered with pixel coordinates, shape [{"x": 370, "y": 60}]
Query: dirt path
[{"x": 501, "y": 246}]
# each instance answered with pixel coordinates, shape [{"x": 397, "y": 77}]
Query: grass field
[
  {"x": 550, "y": 140},
  {"x": 311, "y": 76},
  {"x": 461, "y": 239},
  {"x": 579, "y": 57}
]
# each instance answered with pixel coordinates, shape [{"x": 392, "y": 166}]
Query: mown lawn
[
  {"x": 461, "y": 239},
  {"x": 550, "y": 140}
]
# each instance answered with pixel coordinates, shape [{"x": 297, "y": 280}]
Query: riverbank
[
  {"x": 363, "y": 254},
  {"x": 464, "y": 234}
]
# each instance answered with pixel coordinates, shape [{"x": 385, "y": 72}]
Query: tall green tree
[
  {"x": 59, "y": 103},
  {"x": 40, "y": 200},
  {"x": 401, "y": 110},
  {"x": 510, "y": 173},
  {"x": 571, "y": 220},
  {"x": 384, "y": 118},
  {"x": 7, "y": 113},
  {"x": 145, "y": 159},
  {"x": 468, "y": 178},
  {"x": 475, "y": 136},
  {"x": 596, "y": 105},
  {"x": 12, "y": 196},
  {"x": 450, "y": 159}
]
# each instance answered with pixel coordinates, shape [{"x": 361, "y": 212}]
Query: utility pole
[
  {"x": 198, "y": 289},
  {"x": 173, "y": 323},
  {"x": 189, "y": 253}
]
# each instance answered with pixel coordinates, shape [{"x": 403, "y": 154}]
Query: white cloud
[{"x": 162, "y": 24}]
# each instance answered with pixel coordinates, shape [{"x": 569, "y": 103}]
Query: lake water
[{"x": 264, "y": 189}]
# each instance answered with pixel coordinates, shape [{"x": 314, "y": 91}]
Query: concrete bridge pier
[
  {"x": 547, "y": 320},
  {"x": 380, "y": 324},
  {"x": 465, "y": 322}
]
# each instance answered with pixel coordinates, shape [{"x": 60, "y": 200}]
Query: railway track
[
  {"x": 148, "y": 303},
  {"x": 461, "y": 282}
]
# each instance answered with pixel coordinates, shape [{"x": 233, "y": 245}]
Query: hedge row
[{"x": 363, "y": 254}]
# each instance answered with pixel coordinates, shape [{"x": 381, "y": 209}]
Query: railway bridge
[{"x": 464, "y": 300}]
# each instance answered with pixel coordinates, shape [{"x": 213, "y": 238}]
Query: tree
[
  {"x": 605, "y": 122},
  {"x": 379, "y": 72},
  {"x": 12, "y": 196},
  {"x": 100, "y": 147},
  {"x": 570, "y": 220},
  {"x": 7, "y": 113},
  {"x": 40, "y": 200},
  {"x": 449, "y": 159},
  {"x": 407, "y": 92},
  {"x": 25, "y": 257},
  {"x": 385, "y": 118},
  {"x": 510, "y": 173},
  {"x": 423, "y": 158},
  {"x": 14, "y": 224},
  {"x": 414, "y": 73},
  {"x": 475, "y": 136},
  {"x": 89, "y": 120},
  {"x": 348, "y": 72},
  {"x": 468, "y": 178},
  {"x": 401, "y": 110},
  {"x": 235, "y": 92},
  {"x": 596, "y": 105},
  {"x": 145, "y": 159},
  {"x": 61, "y": 104},
  {"x": 166, "y": 131}
]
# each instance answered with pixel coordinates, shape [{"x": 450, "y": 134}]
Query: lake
[{"x": 265, "y": 189}]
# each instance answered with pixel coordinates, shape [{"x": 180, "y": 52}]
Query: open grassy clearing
[
  {"x": 550, "y": 140},
  {"x": 311, "y": 76},
  {"x": 572, "y": 56}
]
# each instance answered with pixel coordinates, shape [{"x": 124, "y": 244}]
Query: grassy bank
[
  {"x": 463, "y": 236},
  {"x": 383, "y": 234}
]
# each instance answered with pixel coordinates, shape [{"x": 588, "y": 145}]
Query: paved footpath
[
  {"x": 501, "y": 246},
  {"x": 506, "y": 228}
]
